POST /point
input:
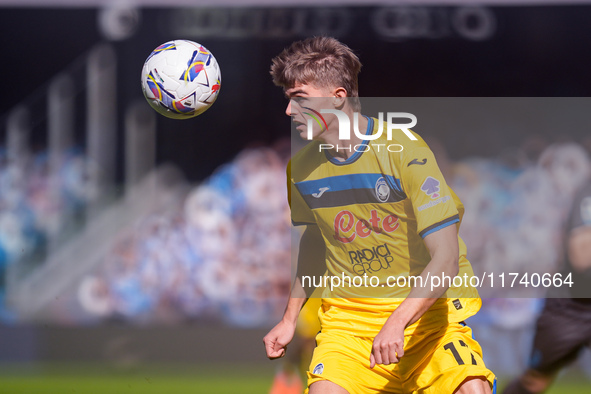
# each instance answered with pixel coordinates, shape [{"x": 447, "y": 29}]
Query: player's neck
[{"x": 344, "y": 149}]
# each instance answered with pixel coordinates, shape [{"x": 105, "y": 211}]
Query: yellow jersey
[{"x": 373, "y": 211}]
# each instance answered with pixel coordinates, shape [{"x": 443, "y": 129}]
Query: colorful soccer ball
[{"x": 181, "y": 79}]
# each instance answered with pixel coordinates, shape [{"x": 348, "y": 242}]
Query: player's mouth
[{"x": 298, "y": 125}]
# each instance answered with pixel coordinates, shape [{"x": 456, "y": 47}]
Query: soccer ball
[{"x": 181, "y": 79}]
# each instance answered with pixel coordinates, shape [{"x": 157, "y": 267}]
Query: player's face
[{"x": 303, "y": 99}]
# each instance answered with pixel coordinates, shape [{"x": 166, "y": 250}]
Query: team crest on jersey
[
  {"x": 586, "y": 211},
  {"x": 431, "y": 187},
  {"x": 318, "y": 369},
  {"x": 382, "y": 190}
]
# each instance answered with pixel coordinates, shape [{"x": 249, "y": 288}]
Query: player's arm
[
  {"x": 444, "y": 250},
  {"x": 388, "y": 345},
  {"x": 311, "y": 257},
  {"x": 280, "y": 336},
  {"x": 424, "y": 184},
  {"x": 310, "y": 262}
]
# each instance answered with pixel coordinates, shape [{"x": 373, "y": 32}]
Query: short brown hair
[{"x": 319, "y": 61}]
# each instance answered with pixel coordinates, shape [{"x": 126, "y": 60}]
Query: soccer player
[
  {"x": 563, "y": 328},
  {"x": 378, "y": 214}
]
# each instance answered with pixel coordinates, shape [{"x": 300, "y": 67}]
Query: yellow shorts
[{"x": 433, "y": 362}]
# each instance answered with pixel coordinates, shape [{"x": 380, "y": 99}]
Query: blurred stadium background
[{"x": 142, "y": 254}]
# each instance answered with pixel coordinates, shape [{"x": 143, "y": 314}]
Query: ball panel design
[{"x": 181, "y": 79}]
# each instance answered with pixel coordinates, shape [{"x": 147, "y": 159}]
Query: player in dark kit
[{"x": 564, "y": 327}]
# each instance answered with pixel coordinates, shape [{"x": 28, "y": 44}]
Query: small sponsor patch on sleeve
[
  {"x": 434, "y": 202},
  {"x": 431, "y": 187},
  {"x": 457, "y": 304}
]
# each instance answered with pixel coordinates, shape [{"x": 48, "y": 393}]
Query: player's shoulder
[
  {"x": 305, "y": 160},
  {"x": 308, "y": 152}
]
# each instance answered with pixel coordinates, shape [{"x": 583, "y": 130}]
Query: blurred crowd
[
  {"x": 225, "y": 254},
  {"x": 516, "y": 208},
  {"x": 36, "y": 202}
]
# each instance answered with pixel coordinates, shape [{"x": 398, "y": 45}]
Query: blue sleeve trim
[{"x": 438, "y": 226}]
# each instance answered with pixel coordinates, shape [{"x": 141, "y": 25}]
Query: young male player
[{"x": 379, "y": 214}]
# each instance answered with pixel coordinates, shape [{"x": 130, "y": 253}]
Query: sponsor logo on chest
[{"x": 347, "y": 228}]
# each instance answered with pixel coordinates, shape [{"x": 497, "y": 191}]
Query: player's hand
[
  {"x": 278, "y": 338},
  {"x": 388, "y": 345}
]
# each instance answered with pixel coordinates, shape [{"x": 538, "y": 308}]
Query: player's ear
[{"x": 340, "y": 95}]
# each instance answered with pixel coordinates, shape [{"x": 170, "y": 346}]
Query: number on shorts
[{"x": 452, "y": 348}]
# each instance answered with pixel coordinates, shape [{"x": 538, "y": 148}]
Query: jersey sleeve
[
  {"x": 301, "y": 214},
  {"x": 432, "y": 200}
]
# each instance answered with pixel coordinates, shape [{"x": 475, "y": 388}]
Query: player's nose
[{"x": 288, "y": 109}]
